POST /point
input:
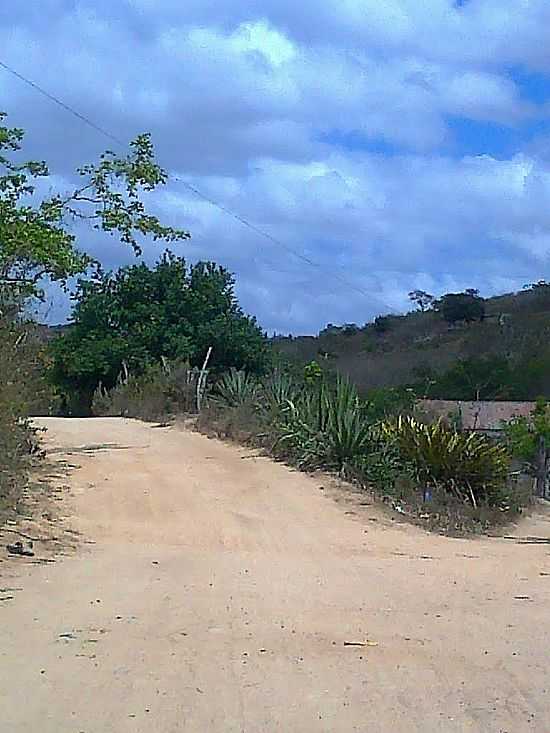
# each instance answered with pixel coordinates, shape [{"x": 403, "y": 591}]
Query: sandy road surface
[{"x": 220, "y": 591}]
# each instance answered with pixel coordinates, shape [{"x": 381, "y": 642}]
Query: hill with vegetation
[{"x": 500, "y": 350}]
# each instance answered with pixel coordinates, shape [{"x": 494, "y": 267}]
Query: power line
[
  {"x": 59, "y": 102},
  {"x": 189, "y": 186}
]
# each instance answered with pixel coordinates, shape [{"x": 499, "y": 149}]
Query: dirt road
[{"x": 222, "y": 589}]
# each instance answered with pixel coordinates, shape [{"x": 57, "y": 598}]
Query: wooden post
[
  {"x": 202, "y": 379},
  {"x": 541, "y": 469}
]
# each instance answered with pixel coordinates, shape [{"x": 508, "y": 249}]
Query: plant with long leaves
[
  {"x": 327, "y": 427},
  {"x": 235, "y": 388},
  {"x": 275, "y": 393},
  {"x": 468, "y": 465}
]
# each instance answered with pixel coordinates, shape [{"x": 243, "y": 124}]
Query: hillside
[{"x": 420, "y": 347}]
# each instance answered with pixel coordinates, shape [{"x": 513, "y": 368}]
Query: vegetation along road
[{"x": 215, "y": 590}]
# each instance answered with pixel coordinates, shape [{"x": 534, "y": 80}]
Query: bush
[
  {"x": 161, "y": 391},
  {"x": 326, "y": 427},
  {"x": 318, "y": 423},
  {"x": 467, "y": 306},
  {"x": 386, "y": 402},
  {"x": 275, "y": 393},
  {"x": 22, "y": 392},
  {"x": 235, "y": 388},
  {"x": 382, "y": 324},
  {"x": 466, "y": 465},
  {"x": 141, "y": 315}
]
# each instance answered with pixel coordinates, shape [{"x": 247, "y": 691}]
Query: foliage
[
  {"x": 386, "y": 402},
  {"x": 277, "y": 390},
  {"x": 235, "y": 388},
  {"x": 350, "y": 329},
  {"x": 524, "y": 433},
  {"x": 163, "y": 390},
  {"x": 34, "y": 239},
  {"x": 491, "y": 377},
  {"x": 467, "y": 306},
  {"x": 423, "y": 300},
  {"x": 35, "y": 243},
  {"x": 529, "y": 440},
  {"x": 483, "y": 378},
  {"x": 140, "y": 315},
  {"x": 22, "y": 392},
  {"x": 326, "y": 427},
  {"x": 382, "y": 324},
  {"x": 313, "y": 374},
  {"x": 467, "y": 465}
]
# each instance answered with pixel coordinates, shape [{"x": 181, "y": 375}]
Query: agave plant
[
  {"x": 235, "y": 388},
  {"x": 327, "y": 427},
  {"x": 276, "y": 392},
  {"x": 466, "y": 464}
]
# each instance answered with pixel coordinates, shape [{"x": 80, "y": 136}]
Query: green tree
[
  {"x": 36, "y": 243},
  {"x": 423, "y": 300},
  {"x": 35, "y": 237},
  {"x": 529, "y": 440},
  {"x": 139, "y": 316},
  {"x": 467, "y": 306},
  {"x": 486, "y": 378}
]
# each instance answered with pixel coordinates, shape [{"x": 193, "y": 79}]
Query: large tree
[{"x": 138, "y": 316}]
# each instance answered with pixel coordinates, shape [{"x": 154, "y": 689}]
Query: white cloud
[{"x": 254, "y": 103}]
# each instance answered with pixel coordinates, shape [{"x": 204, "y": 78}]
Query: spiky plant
[
  {"x": 235, "y": 388},
  {"x": 326, "y": 426},
  {"x": 468, "y": 465},
  {"x": 275, "y": 393}
]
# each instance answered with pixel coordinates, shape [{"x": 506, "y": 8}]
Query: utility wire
[{"x": 189, "y": 186}]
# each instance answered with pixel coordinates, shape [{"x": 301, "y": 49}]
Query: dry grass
[{"x": 23, "y": 391}]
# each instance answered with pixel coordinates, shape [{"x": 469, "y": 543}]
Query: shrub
[
  {"x": 382, "y": 324},
  {"x": 161, "y": 391},
  {"x": 22, "y": 392},
  {"x": 466, "y": 465},
  {"x": 141, "y": 315},
  {"x": 275, "y": 393},
  {"x": 326, "y": 427},
  {"x": 467, "y": 306},
  {"x": 235, "y": 388},
  {"x": 528, "y": 439},
  {"x": 386, "y": 402},
  {"x": 384, "y": 469}
]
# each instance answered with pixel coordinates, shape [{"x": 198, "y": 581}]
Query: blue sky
[{"x": 399, "y": 144}]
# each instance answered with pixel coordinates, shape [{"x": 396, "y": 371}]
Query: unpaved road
[{"x": 220, "y": 591}]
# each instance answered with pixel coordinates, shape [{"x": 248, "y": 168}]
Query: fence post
[
  {"x": 541, "y": 468},
  {"x": 202, "y": 379}
]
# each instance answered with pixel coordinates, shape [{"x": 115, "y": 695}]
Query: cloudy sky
[{"x": 395, "y": 144}]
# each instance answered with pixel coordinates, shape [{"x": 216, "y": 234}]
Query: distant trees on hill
[
  {"x": 422, "y": 300},
  {"x": 467, "y": 306}
]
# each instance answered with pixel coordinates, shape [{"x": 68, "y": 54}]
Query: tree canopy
[
  {"x": 140, "y": 315},
  {"x": 423, "y": 300},
  {"x": 466, "y": 306},
  {"x": 35, "y": 237}
]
